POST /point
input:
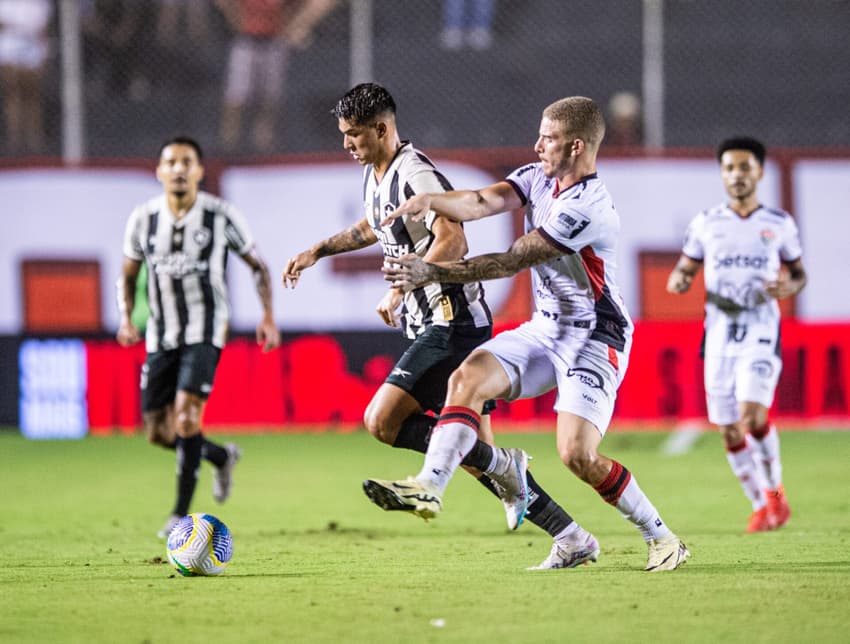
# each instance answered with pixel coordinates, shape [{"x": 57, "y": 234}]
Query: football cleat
[
  {"x": 407, "y": 496},
  {"x": 570, "y": 555},
  {"x": 223, "y": 478},
  {"x": 778, "y": 509},
  {"x": 760, "y": 521},
  {"x": 170, "y": 522},
  {"x": 512, "y": 486},
  {"x": 667, "y": 553}
]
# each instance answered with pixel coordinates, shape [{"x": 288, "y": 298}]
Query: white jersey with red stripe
[
  {"x": 579, "y": 286},
  {"x": 739, "y": 255}
]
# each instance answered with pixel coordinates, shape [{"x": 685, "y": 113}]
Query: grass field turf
[{"x": 314, "y": 561}]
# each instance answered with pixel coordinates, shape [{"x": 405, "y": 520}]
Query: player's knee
[
  {"x": 579, "y": 461},
  {"x": 378, "y": 425},
  {"x": 186, "y": 422}
]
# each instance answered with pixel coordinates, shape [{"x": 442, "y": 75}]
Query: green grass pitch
[{"x": 314, "y": 561}]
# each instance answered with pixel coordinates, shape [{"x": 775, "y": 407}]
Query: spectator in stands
[
  {"x": 625, "y": 120},
  {"x": 169, "y": 29},
  {"x": 467, "y": 22},
  {"x": 23, "y": 57},
  {"x": 265, "y": 33}
]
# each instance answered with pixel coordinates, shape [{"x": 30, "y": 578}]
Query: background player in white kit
[
  {"x": 578, "y": 339},
  {"x": 743, "y": 245}
]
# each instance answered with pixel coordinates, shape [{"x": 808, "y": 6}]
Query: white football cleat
[
  {"x": 407, "y": 496},
  {"x": 223, "y": 478},
  {"x": 570, "y": 556},
  {"x": 512, "y": 485},
  {"x": 667, "y": 553}
]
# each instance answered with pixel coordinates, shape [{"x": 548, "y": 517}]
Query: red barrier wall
[{"x": 307, "y": 382}]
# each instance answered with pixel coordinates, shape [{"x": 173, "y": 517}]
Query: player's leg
[
  {"x": 724, "y": 411},
  {"x": 756, "y": 381}
]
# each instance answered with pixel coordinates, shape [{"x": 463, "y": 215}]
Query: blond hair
[{"x": 581, "y": 118}]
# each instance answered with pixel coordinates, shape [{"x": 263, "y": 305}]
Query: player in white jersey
[
  {"x": 184, "y": 237},
  {"x": 579, "y": 338},
  {"x": 742, "y": 246},
  {"x": 445, "y": 321}
]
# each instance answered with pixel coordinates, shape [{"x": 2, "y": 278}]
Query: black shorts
[
  {"x": 190, "y": 368},
  {"x": 424, "y": 369}
]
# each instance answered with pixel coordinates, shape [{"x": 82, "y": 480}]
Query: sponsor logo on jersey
[
  {"x": 573, "y": 225},
  {"x": 178, "y": 265},
  {"x": 587, "y": 377},
  {"x": 396, "y": 250},
  {"x": 740, "y": 261}
]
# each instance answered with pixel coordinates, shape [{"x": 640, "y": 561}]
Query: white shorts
[
  {"x": 256, "y": 68},
  {"x": 543, "y": 354},
  {"x": 731, "y": 380}
]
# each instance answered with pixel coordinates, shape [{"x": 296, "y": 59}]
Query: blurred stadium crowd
[{"x": 257, "y": 77}]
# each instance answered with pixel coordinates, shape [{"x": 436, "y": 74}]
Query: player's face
[
  {"x": 741, "y": 172},
  {"x": 361, "y": 141},
  {"x": 553, "y": 147},
  {"x": 179, "y": 170}
]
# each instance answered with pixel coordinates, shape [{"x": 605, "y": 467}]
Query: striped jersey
[
  {"x": 411, "y": 173},
  {"x": 581, "y": 221},
  {"x": 739, "y": 254},
  {"x": 186, "y": 260}
]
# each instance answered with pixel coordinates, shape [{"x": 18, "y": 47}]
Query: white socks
[{"x": 749, "y": 474}]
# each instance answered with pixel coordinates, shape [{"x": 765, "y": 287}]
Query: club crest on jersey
[
  {"x": 767, "y": 236},
  {"x": 587, "y": 377},
  {"x": 202, "y": 236},
  {"x": 573, "y": 224}
]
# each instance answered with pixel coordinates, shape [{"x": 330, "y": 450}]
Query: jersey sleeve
[
  {"x": 693, "y": 246},
  {"x": 791, "y": 249},
  {"x": 236, "y": 230},
  {"x": 422, "y": 181},
  {"x": 570, "y": 229},
  {"x": 521, "y": 180},
  {"x": 132, "y": 236}
]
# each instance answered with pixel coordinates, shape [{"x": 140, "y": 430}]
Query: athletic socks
[
  {"x": 454, "y": 436},
  {"x": 748, "y": 472},
  {"x": 415, "y": 434},
  {"x": 212, "y": 452},
  {"x": 188, "y": 464},
  {"x": 764, "y": 444},
  {"x": 621, "y": 490}
]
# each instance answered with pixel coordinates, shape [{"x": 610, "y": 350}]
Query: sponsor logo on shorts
[
  {"x": 206, "y": 388},
  {"x": 762, "y": 368},
  {"x": 401, "y": 373},
  {"x": 587, "y": 377},
  {"x": 590, "y": 399}
]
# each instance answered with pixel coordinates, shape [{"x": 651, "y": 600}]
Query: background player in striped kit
[
  {"x": 184, "y": 236},
  {"x": 579, "y": 337},
  {"x": 444, "y": 321},
  {"x": 743, "y": 245}
]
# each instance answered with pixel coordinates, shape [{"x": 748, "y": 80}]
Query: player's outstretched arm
[
  {"x": 529, "y": 250},
  {"x": 460, "y": 205},
  {"x": 268, "y": 335},
  {"x": 682, "y": 275},
  {"x": 388, "y": 307},
  {"x": 127, "y": 333},
  {"x": 360, "y": 235}
]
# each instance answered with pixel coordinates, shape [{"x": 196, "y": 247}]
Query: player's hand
[
  {"x": 294, "y": 267},
  {"x": 416, "y": 208},
  {"x": 678, "y": 282},
  {"x": 781, "y": 287},
  {"x": 268, "y": 335},
  {"x": 388, "y": 307},
  {"x": 127, "y": 335},
  {"x": 408, "y": 272}
]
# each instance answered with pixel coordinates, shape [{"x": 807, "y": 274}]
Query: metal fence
[{"x": 119, "y": 76}]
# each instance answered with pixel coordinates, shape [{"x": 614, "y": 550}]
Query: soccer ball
[{"x": 199, "y": 544}]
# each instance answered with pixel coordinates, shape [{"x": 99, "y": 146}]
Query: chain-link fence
[{"x": 251, "y": 78}]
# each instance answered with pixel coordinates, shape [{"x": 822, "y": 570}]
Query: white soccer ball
[{"x": 200, "y": 544}]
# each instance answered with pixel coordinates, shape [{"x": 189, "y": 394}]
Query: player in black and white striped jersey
[
  {"x": 445, "y": 321},
  {"x": 184, "y": 236}
]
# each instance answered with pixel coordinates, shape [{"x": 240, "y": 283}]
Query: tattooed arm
[
  {"x": 529, "y": 250},
  {"x": 358, "y": 236},
  {"x": 268, "y": 334}
]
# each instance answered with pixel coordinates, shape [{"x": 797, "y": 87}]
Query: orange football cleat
[
  {"x": 777, "y": 507},
  {"x": 760, "y": 521}
]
